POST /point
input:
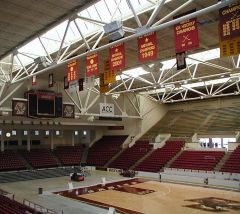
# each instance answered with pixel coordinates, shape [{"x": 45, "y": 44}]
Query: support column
[
  {"x": 73, "y": 138},
  {"x": 2, "y": 143},
  {"x": 28, "y": 142},
  {"x": 52, "y": 141}
]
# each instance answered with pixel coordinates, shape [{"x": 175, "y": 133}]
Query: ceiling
[{"x": 22, "y": 20}]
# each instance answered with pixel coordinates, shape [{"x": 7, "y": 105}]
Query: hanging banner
[
  {"x": 89, "y": 82},
  {"x": 229, "y": 27},
  {"x": 72, "y": 76},
  {"x": 181, "y": 60},
  {"x": 50, "y": 80},
  {"x": 230, "y": 47},
  {"x": 72, "y": 71},
  {"x": 147, "y": 47},
  {"x": 92, "y": 65},
  {"x": 34, "y": 80},
  {"x": 186, "y": 35},
  {"x": 103, "y": 87},
  {"x": 80, "y": 84},
  {"x": 229, "y": 22},
  {"x": 117, "y": 57},
  {"x": 109, "y": 75},
  {"x": 106, "y": 109}
]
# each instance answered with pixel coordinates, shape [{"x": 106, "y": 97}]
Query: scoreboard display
[{"x": 44, "y": 104}]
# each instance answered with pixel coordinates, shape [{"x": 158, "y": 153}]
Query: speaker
[
  {"x": 58, "y": 106},
  {"x": 32, "y": 105}
]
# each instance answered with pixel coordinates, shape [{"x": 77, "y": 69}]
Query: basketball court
[{"x": 131, "y": 196}]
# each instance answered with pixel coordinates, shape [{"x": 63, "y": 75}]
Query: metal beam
[
  {"x": 134, "y": 13},
  {"x": 152, "y": 29}
]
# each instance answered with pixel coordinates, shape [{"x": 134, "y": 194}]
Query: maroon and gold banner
[
  {"x": 92, "y": 65},
  {"x": 109, "y": 76},
  {"x": 117, "y": 57},
  {"x": 72, "y": 71},
  {"x": 229, "y": 22},
  {"x": 229, "y": 27},
  {"x": 230, "y": 47},
  {"x": 186, "y": 35},
  {"x": 103, "y": 87},
  {"x": 147, "y": 47}
]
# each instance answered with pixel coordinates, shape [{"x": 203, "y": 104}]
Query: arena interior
[{"x": 119, "y": 106}]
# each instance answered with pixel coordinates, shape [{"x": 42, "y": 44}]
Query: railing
[{"x": 40, "y": 208}]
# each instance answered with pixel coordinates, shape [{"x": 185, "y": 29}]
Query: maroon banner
[
  {"x": 229, "y": 22},
  {"x": 92, "y": 65},
  {"x": 117, "y": 57},
  {"x": 186, "y": 35},
  {"x": 147, "y": 47},
  {"x": 72, "y": 71}
]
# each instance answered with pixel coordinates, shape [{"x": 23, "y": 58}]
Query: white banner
[{"x": 106, "y": 109}]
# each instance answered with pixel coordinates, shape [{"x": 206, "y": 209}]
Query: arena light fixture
[
  {"x": 8, "y": 134},
  {"x": 75, "y": 133}
]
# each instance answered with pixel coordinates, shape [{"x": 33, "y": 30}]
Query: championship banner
[
  {"x": 117, "y": 57},
  {"x": 72, "y": 71},
  {"x": 230, "y": 47},
  {"x": 68, "y": 110},
  {"x": 186, "y": 35},
  {"x": 92, "y": 65},
  {"x": 103, "y": 87},
  {"x": 229, "y": 27},
  {"x": 19, "y": 107},
  {"x": 181, "y": 60},
  {"x": 147, "y": 47},
  {"x": 109, "y": 75}
]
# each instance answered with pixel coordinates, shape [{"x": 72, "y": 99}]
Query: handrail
[{"x": 40, "y": 208}]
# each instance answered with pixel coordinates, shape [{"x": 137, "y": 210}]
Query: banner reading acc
[
  {"x": 186, "y": 35},
  {"x": 147, "y": 47},
  {"x": 92, "y": 65},
  {"x": 117, "y": 57}
]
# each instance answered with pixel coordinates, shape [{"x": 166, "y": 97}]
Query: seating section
[
  {"x": 198, "y": 160},
  {"x": 10, "y": 206},
  {"x": 39, "y": 158},
  {"x": 9, "y": 160},
  {"x": 157, "y": 160},
  {"x": 103, "y": 150},
  {"x": 131, "y": 155},
  {"x": 232, "y": 164},
  {"x": 69, "y": 155}
]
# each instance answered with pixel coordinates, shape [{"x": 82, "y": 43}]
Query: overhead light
[{"x": 8, "y": 134}]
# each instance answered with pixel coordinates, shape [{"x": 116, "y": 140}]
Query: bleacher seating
[
  {"x": 103, "y": 150},
  {"x": 198, "y": 160},
  {"x": 160, "y": 157},
  {"x": 10, "y": 206},
  {"x": 232, "y": 164},
  {"x": 39, "y": 158},
  {"x": 9, "y": 160},
  {"x": 69, "y": 155},
  {"x": 131, "y": 155}
]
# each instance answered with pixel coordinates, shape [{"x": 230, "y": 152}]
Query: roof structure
[{"x": 207, "y": 75}]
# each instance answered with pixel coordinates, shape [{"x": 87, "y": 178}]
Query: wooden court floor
[{"x": 138, "y": 196}]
